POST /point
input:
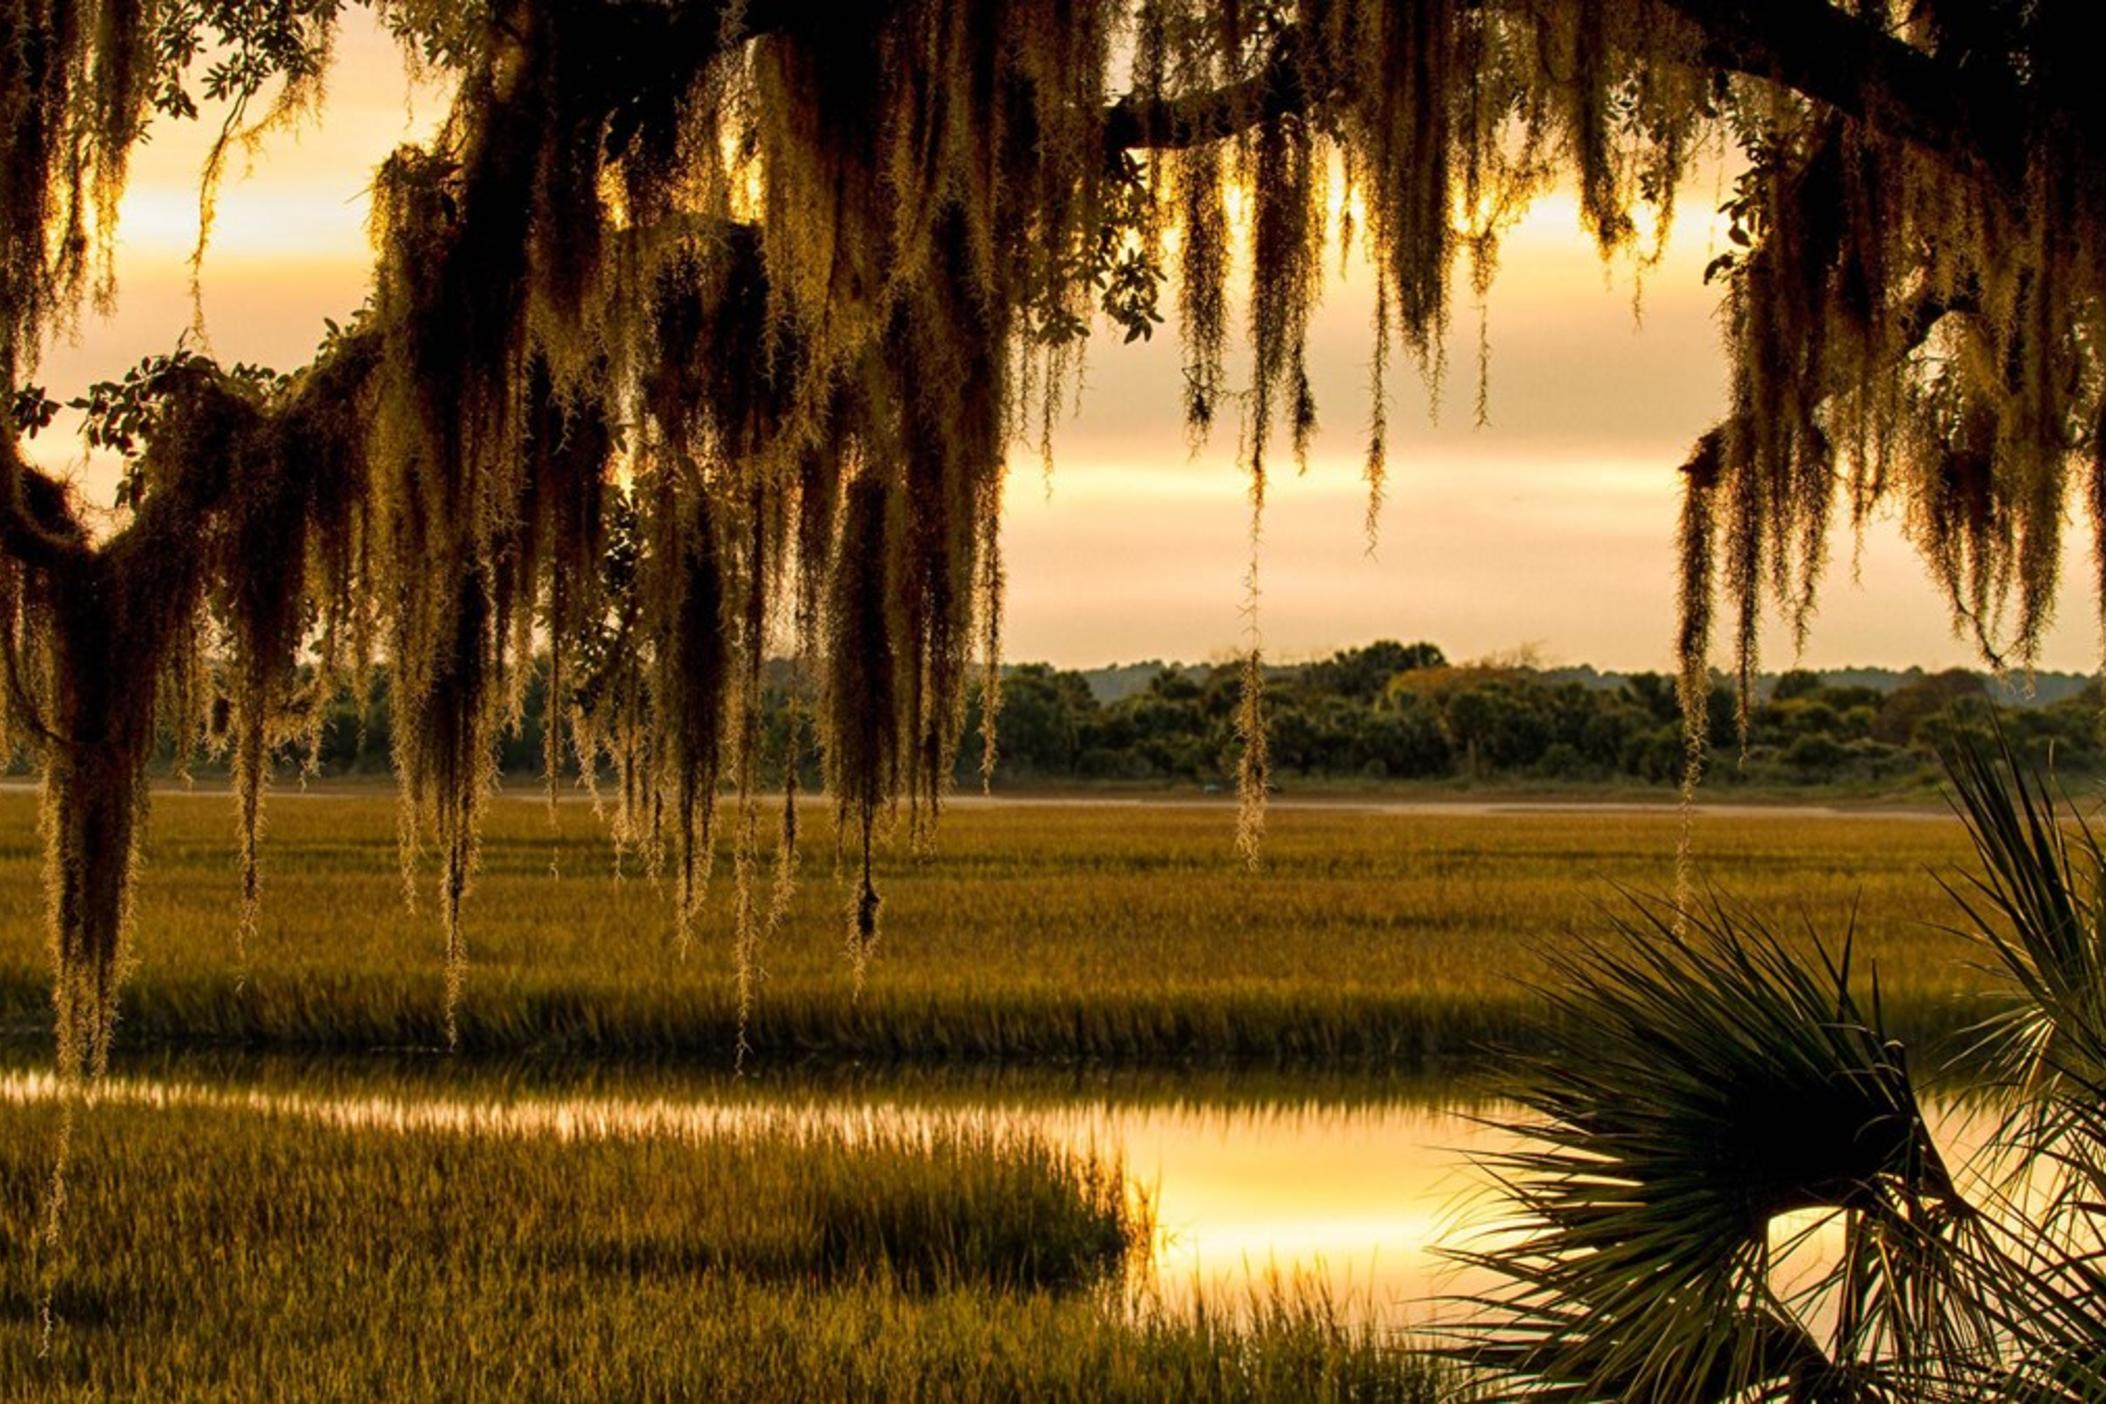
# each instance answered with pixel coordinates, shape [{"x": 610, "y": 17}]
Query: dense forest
[{"x": 1393, "y": 711}]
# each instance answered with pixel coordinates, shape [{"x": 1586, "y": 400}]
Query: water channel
[{"x": 1358, "y": 1186}]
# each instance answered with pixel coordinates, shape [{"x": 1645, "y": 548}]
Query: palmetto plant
[{"x": 1714, "y": 1096}]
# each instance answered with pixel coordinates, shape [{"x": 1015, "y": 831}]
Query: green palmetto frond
[
  {"x": 2039, "y": 909},
  {"x": 1709, "y": 1088},
  {"x": 1704, "y": 1080}
]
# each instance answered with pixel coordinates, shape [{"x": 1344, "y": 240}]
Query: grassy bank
[
  {"x": 214, "y": 1252},
  {"x": 1030, "y": 933}
]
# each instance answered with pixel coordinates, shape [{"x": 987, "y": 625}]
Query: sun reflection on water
[{"x": 1357, "y": 1196}]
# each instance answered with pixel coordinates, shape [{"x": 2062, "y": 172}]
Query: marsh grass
[
  {"x": 772, "y": 1200},
  {"x": 1027, "y": 934},
  {"x": 525, "y": 1087},
  {"x": 217, "y": 1254}
]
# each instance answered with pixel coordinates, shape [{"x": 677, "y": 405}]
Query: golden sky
[{"x": 1552, "y": 526}]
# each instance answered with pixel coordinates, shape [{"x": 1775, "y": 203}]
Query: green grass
[
  {"x": 232, "y": 1245},
  {"x": 1029, "y": 933},
  {"x": 217, "y": 1252}
]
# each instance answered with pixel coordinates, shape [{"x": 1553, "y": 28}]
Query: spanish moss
[{"x": 701, "y": 332}]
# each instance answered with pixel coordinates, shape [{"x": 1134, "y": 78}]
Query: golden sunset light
[
  {"x": 1601, "y": 375},
  {"x": 1104, "y": 701}
]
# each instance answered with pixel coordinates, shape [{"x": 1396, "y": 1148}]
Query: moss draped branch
[
  {"x": 102, "y": 636},
  {"x": 701, "y": 332}
]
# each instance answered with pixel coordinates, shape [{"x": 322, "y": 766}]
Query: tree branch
[
  {"x": 1810, "y": 46},
  {"x": 1862, "y": 71},
  {"x": 1137, "y": 123},
  {"x": 1967, "y": 116},
  {"x": 37, "y": 525},
  {"x": 1707, "y": 457},
  {"x": 39, "y": 528}
]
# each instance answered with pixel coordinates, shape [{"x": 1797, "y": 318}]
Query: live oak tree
[{"x": 701, "y": 329}]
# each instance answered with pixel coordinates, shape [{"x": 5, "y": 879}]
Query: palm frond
[
  {"x": 1703, "y": 1081},
  {"x": 2037, "y": 908},
  {"x": 1706, "y": 1084}
]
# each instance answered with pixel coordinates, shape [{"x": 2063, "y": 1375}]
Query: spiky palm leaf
[
  {"x": 1703, "y": 1081},
  {"x": 2039, "y": 909}
]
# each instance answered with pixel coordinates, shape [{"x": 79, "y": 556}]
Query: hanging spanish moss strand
[
  {"x": 989, "y": 589},
  {"x": 1254, "y": 756},
  {"x": 745, "y": 924},
  {"x": 783, "y": 888},
  {"x": 1376, "y": 468},
  {"x": 692, "y": 677},
  {"x": 1286, "y": 271},
  {"x": 747, "y": 921},
  {"x": 821, "y": 265},
  {"x": 1203, "y": 282},
  {"x": 51, "y": 1236},
  {"x": 75, "y": 84},
  {"x": 1693, "y": 648}
]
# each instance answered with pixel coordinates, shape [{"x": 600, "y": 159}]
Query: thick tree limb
[
  {"x": 1846, "y": 63},
  {"x": 198, "y": 487},
  {"x": 1136, "y": 123},
  {"x": 157, "y": 552},
  {"x": 1810, "y": 46},
  {"x": 1849, "y": 64},
  {"x": 37, "y": 525},
  {"x": 1707, "y": 457}
]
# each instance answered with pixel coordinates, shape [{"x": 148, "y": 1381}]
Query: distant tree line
[{"x": 1402, "y": 712}]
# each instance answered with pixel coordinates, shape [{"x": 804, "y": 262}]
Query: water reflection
[
  {"x": 1360, "y": 1198},
  {"x": 1353, "y": 1184},
  {"x": 1350, "y": 1183}
]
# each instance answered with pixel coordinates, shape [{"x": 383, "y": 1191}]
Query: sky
[{"x": 1551, "y": 528}]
